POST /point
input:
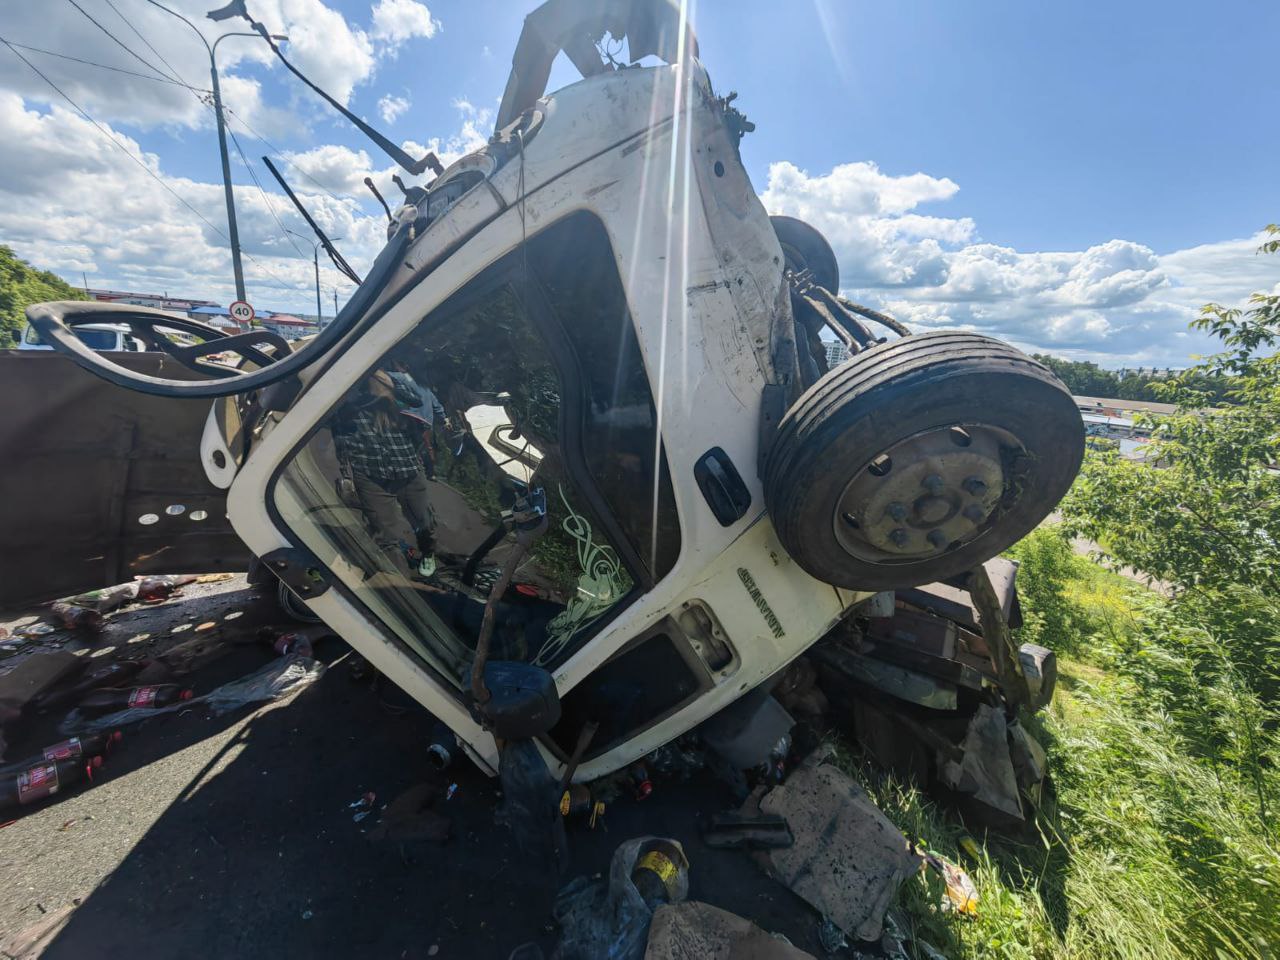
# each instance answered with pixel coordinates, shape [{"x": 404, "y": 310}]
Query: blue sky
[{"x": 1087, "y": 174}]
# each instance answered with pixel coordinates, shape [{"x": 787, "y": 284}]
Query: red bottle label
[
  {"x": 143, "y": 697},
  {"x": 64, "y": 750},
  {"x": 36, "y": 782}
]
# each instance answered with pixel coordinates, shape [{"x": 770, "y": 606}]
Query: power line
[
  {"x": 177, "y": 76},
  {"x": 120, "y": 43},
  {"x": 270, "y": 208},
  {"x": 280, "y": 153},
  {"x": 128, "y": 153},
  {"x": 105, "y": 66}
]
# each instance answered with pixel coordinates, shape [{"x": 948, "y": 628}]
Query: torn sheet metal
[
  {"x": 986, "y": 770},
  {"x": 848, "y": 859},
  {"x": 699, "y": 931}
]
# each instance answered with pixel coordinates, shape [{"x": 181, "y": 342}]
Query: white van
[{"x": 103, "y": 337}]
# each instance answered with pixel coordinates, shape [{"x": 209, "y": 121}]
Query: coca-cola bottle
[
  {"x": 43, "y": 779},
  {"x": 118, "y": 671},
  {"x": 154, "y": 695},
  {"x": 90, "y": 745}
]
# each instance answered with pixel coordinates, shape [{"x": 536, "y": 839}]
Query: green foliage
[
  {"x": 1085, "y": 378},
  {"x": 1157, "y": 838},
  {"x": 1203, "y": 510},
  {"x": 22, "y": 285}
]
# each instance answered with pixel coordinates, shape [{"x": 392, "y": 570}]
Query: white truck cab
[{"x": 647, "y": 494}]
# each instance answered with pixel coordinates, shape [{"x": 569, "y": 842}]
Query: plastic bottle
[
  {"x": 44, "y": 779},
  {"x": 90, "y": 745},
  {"x": 293, "y": 645},
  {"x": 74, "y": 617},
  {"x": 640, "y": 780},
  {"x": 657, "y": 872},
  {"x": 118, "y": 671},
  {"x": 157, "y": 695}
]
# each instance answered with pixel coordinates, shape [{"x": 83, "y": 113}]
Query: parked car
[{"x": 103, "y": 337}]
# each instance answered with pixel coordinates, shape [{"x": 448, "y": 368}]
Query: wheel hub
[{"x": 924, "y": 495}]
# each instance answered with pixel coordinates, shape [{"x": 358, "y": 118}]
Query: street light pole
[
  {"x": 232, "y": 230},
  {"x": 315, "y": 258}
]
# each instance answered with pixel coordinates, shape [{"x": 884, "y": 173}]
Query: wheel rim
[{"x": 928, "y": 494}]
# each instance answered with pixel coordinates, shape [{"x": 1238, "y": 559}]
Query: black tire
[
  {"x": 804, "y": 248},
  {"x": 919, "y": 386}
]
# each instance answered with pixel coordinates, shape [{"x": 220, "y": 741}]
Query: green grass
[{"x": 1158, "y": 838}]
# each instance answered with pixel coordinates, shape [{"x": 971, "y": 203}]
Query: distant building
[
  {"x": 289, "y": 326},
  {"x": 837, "y": 353},
  {"x": 1104, "y": 407},
  {"x": 161, "y": 301}
]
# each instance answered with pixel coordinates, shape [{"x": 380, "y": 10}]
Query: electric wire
[
  {"x": 138, "y": 33},
  {"x": 270, "y": 208},
  {"x": 105, "y": 66},
  {"x": 120, "y": 43},
  {"x": 279, "y": 154},
  {"x": 151, "y": 173}
]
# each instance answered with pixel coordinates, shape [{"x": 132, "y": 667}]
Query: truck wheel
[
  {"x": 919, "y": 459},
  {"x": 804, "y": 248}
]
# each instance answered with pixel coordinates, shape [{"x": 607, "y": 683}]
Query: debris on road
[
  {"x": 699, "y": 931},
  {"x": 44, "y": 779},
  {"x": 848, "y": 859},
  {"x": 135, "y": 698},
  {"x": 960, "y": 894},
  {"x": 70, "y": 616},
  {"x": 610, "y": 917}
]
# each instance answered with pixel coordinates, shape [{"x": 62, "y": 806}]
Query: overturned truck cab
[{"x": 571, "y": 459}]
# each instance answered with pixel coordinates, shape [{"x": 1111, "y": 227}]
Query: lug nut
[
  {"x": 933, "y": 483},
  {"x": 973, "y": 513},
  {"x": 897, "y": 511},
  {"x": 975, "y": 486},
  {"x": 937, "y": 538},
  {"x": 898, "y": 537}
]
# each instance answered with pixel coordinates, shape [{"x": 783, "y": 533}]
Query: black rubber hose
[{"x": 50, "y": 320}]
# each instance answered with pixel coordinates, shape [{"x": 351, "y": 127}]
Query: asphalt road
[{"x": 233, "y": 835}]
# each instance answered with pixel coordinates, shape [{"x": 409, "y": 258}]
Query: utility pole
[
  {"x": 315, "y": 259},
  {"x": 232, "y": 231}
]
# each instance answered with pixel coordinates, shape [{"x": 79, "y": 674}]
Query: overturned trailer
[{"x": 642, "y": 493}]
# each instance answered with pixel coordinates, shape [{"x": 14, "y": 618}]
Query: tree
[
  {"x": 22, "y": 285},
  {"x": 1203, "y": 509}
]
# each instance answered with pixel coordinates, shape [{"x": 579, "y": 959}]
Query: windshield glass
[{"x": 530, "y": 378}]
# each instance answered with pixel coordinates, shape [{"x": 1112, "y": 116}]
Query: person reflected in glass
[{"x": 378, "y": 449}]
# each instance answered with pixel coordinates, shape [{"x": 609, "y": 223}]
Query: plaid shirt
[{"x": 378, "y": 454}]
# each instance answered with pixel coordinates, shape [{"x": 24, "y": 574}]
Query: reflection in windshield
[{"x": 410, "y": 489}]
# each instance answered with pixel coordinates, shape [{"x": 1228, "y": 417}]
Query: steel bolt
[
  {"x": 898, "y": 537},
  {"x": 897, "y": 511},
  {"x": 937, "y": 538},
  {"x": 933, "y": 483},
  {"x": 973, "y": 513},
  {"x": 975, "y": 486}
]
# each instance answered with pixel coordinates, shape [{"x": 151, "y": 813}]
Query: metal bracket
[{"x": 299, "y": 570}]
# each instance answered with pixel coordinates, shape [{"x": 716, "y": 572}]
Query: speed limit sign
[{"x": 241, "y": 312}]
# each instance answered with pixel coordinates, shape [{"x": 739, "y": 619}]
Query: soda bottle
[
  {"x": 155, "y": 695},
  {"x": 91, "y": 745},
  {"x": 43, "y": 779},
  {"x": 640, "y": 780},
  {"x": 74, "y": 617},
  {"x": 104, "y": 675},
  {"x": 292, "y": 645},
  {"x": 657, "y": 875}
]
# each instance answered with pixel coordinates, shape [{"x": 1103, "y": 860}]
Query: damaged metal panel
[{"x": 98, "y": 462}]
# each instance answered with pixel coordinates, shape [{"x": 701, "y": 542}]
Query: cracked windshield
[{"x": 523, "y": 393}]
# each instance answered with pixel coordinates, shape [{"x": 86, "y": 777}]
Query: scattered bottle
[
  {"x": 91, "y": 745},
  {"x": 103, "y": 675},
  {"x": 658, "y": 871},
  {"x": 43, "y": 779},
  {"x": 74, "y": 617},
  {"x": 156, "y": 695},
  {"x": 640, "y": 781},
  {"x": 155, "y": 589},
  {"x": 286, "y": 644}
]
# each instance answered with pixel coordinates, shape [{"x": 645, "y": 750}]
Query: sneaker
[{"x": 427, "y": 568}]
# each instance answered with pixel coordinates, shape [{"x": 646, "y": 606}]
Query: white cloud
[
  {"x": 395, "y": 21},
  {"x": 1116, "y": 302},
  {"x": 390, "y": 107}
]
